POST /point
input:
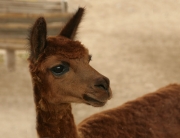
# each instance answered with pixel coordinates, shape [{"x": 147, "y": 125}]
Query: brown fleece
[
  {"x": 55, "y": 121},
  {"x": 155, "y": 115}
]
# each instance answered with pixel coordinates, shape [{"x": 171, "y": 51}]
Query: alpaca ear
[
  {"x": 37, "y": 38},
  {"x": 70, "y": 28}
]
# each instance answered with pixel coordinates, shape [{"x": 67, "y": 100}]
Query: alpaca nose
[{"x": 102, "y": 83}]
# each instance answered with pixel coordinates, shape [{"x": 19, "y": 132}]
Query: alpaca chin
[{"x": 91, "y": 100}]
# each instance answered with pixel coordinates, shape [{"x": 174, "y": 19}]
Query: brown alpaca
[
  {"x": 155, "y": 115},
  {"x": 61, "y": 74}
]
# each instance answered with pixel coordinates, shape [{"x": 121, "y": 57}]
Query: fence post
[
  {"x": 64, "y": 5},
  {"x": 10, "y": 59}
]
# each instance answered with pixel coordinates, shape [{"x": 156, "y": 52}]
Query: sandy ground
[{"x": 134, "y": 43}]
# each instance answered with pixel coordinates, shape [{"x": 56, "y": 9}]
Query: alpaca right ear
[
  {"x": 37, "y": 38},
  {"x": 70, "y": 28}
]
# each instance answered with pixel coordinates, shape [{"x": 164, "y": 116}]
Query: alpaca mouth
[{"x": 92, "y": 101}]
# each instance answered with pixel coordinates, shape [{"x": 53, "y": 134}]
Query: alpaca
[{"x": 61, "y": 74}]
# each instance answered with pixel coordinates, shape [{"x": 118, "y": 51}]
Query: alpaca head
[{"x": 60, "y": 67}]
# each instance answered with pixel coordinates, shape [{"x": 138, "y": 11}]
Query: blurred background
[{"x": 136, "y": 44}]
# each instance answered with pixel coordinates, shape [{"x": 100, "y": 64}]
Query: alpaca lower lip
[{"x": 92, "y": 101}]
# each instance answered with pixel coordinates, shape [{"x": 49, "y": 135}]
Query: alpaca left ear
[
  {"x": 37, "y": 38},
  {"x": 70, "y": 28}
]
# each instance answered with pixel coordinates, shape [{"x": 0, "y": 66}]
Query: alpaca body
[{"x": 155, "y": 115}]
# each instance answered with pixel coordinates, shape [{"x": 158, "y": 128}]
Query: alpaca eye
[{"x": 59, "y": 70}]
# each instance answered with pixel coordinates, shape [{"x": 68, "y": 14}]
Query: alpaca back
[{"x": 155, "y": 115}]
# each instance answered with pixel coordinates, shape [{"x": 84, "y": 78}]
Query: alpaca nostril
[
  {"x": 102, "y": 83},
  {"x": 101, "y": 86}
]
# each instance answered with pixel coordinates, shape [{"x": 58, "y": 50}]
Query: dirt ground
[{"x": 134, "y": 43}]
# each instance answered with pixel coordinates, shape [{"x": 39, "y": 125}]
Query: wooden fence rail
[{"x": 16, "y": 18}]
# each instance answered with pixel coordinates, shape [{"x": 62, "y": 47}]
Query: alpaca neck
[{"x": 55, "y": 121}]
